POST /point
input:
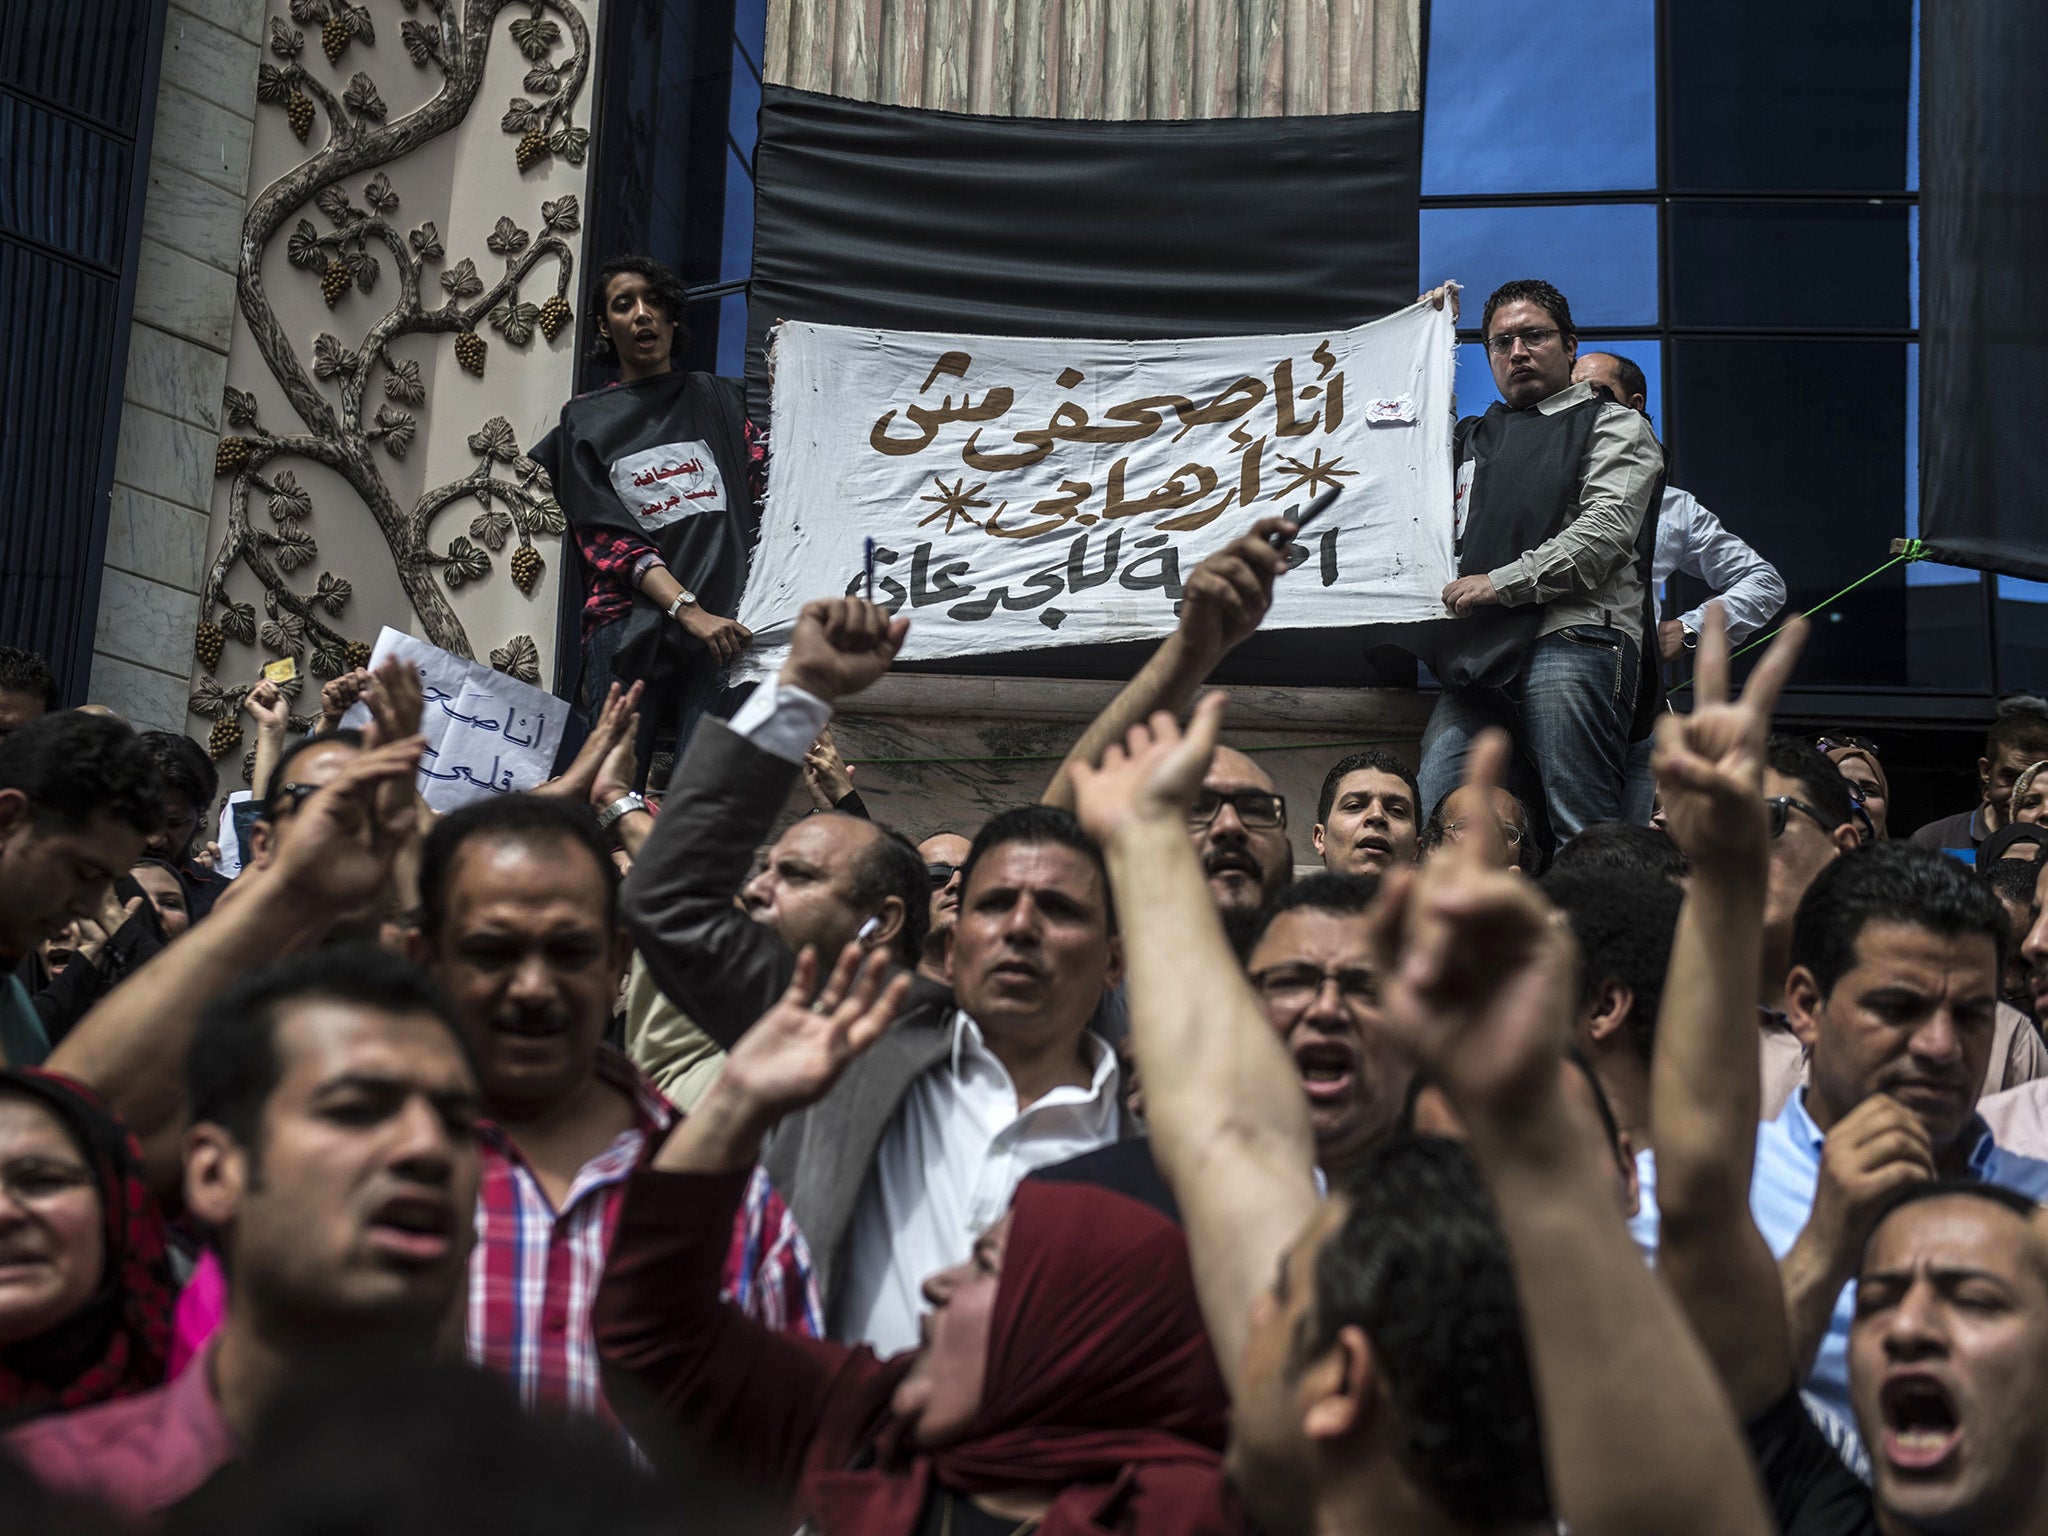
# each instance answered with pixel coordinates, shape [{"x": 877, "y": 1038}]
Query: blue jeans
[
  {"x": 1639, "y": 794},
  {"x": 1568, "y": 712}
]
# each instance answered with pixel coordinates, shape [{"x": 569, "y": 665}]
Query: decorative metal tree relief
[{"x": 342, "y": 210}]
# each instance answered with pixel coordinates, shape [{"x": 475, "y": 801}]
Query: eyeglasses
[
  {"x": 941, "y": 875},
  {"x": 1503, "y": 342},
  {"x": 1780, "y": 808},
  {"x": 289, "y": 797},
  {"x": 1255, "y": 808},
  {"x": 1509, "y": 832},
  {"x": 1296, "y": 986},
  {"x": 1845, "y": 744},
  {"x": 33, "y": 1180}
]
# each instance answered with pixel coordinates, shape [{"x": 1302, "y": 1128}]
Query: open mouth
[
  {"x": 414, "y": 1228},
  {"x": 1377, "y": 846},
  {"x": 1328, "y": 1069},
  {"x": 1920, "y": 1427}
]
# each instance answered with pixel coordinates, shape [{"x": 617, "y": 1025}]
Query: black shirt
[{"x": 1811, "y": 1492}]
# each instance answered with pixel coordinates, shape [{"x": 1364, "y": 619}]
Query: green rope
[{"x": 1914, "y": 550}]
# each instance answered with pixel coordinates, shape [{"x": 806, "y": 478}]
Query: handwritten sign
[
  {"x": 1026, "y": 492},
  {"x": 487, "y": 734}
]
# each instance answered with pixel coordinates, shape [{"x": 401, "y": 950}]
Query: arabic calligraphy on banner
[
  {"x": 1028, "y": 492},
  {"x": 487, "y": 734}
]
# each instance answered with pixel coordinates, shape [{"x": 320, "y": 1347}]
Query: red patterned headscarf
[
  {"x": 1101, "y": 1381},
  {"x": 114, "y": 1345}
]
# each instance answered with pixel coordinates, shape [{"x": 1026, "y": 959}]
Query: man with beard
[
  {"x": 944, "y": 855},
  {"x": 519, "y": 922},
  {"x": 1394, "y": 1365},
  {"x": 1947, "y": 1353},
  {"x": 1239, "y": 823}
]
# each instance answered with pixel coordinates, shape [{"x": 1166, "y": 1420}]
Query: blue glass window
[
  {"x": 1602, "y": 255},
  {"x": 1475, "y": 378},
  {"x": 1540, "y": 96},
  {"x": 1791, "y": 264}
]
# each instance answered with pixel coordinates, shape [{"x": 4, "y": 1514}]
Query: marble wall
[
  {"x": 943, "y": 754},
  {"x": 177, "y": 360}
]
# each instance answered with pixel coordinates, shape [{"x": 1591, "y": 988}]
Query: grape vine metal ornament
[{"x": 337, "y": 212}]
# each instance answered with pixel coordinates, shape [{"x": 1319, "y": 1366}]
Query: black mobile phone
[{"x": 1316, "y": 509}]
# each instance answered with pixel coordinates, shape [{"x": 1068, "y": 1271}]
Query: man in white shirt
[
  {"x": 1691, "y": 540},
  {"x": 917, "y": 1149}
]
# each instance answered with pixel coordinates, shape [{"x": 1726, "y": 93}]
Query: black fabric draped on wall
[
  {"x": 1984, "y": 320},
  {"x": 906, "y": 219}
]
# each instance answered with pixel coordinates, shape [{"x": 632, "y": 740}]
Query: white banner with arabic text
[{"x": 1028, "y": 492}]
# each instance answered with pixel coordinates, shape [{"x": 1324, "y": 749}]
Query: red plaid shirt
[
  {"x": 618, "y": 562},
  {"x": 535, "y": 1271}
]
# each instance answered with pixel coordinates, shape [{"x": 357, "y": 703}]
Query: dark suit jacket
[{"x": 725, "y": 970}]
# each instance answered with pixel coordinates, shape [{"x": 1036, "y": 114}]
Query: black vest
[
  {"x": 1526, "y": 470},
  {"x": 693, "y": 503}
]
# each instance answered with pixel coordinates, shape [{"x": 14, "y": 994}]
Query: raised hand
[
  {"x": 797, "y": 1050},
  {"x": 1710, "y": 764},
  {"x": 269, "y": 708},
  {"x": 396, "y": 698},
  {"x": 621, "y": 766},
  {"x": 826, "y": 775},
  {"x": 340, "y": 695},
  {"x": 1153, "y": 774},
  {"x": 347, "y": 834},
  {"x": 842, "y": 645},
  {"x": 1226, "y": 598},
  {"x": 617, "y": 718},
  {"x": 1479, "y": 977}
]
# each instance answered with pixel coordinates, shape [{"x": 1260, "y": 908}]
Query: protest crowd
[{"x": 1629, "y": 1129}]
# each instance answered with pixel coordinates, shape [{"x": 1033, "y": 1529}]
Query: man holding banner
[{"x": 1555, "y": 486}]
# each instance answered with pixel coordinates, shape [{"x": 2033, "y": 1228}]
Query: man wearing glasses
[
  {"x": 944, "y": 854},
  {"x": 1555, "y": 485}
]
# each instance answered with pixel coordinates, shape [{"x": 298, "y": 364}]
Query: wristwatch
[
  {"x": 626, "y": 803},
  {"x": 684, "y": 599},
  {"x": 1688, "y": 638}
]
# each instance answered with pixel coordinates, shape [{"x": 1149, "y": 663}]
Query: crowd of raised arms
[{"x": 1622, "y": 1133}]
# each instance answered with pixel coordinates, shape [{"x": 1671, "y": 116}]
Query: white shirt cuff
[{"x": 781, "y": 719}]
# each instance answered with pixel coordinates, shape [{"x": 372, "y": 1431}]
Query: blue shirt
[{"x": 1781, "y": 1199}]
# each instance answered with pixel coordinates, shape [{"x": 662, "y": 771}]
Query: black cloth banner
[
  {"x": 1983, "y": 253},
  {"x": 905, "y": 219}
]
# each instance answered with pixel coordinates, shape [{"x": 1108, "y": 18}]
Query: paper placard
[{"x": 487, "y": 734}]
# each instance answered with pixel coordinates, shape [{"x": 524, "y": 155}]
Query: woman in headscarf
[
  {"x": 2030, "y": 796},
  {"x": 91, "y": 1319},
  {"x": 1857, "y": 761},
  {"x": 1064, "y": 1385}
]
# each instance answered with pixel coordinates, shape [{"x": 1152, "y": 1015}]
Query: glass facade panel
[
  {"x": 1550, "y": 96},
  {"x": 1824, "y": 266},
  {"x": 1806, "y": 97},
  {"x": 1602, "y": 255}
]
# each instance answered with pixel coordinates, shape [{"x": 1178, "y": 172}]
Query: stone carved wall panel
[{"x": 408, "y": 281}]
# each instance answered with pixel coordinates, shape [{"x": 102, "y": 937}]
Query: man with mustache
[
  {"x": 919, "y": 1146},
  {"x": 1893, "y": 990},
  {"x": 519, "y": 923}
]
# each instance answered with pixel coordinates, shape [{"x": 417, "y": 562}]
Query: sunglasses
[
  {"x": 941, "y": 875},
  {"x": 1845, "y": 744},
  {"x": 286, "y": 798},
  {"x": 1780, "y": 808}
]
